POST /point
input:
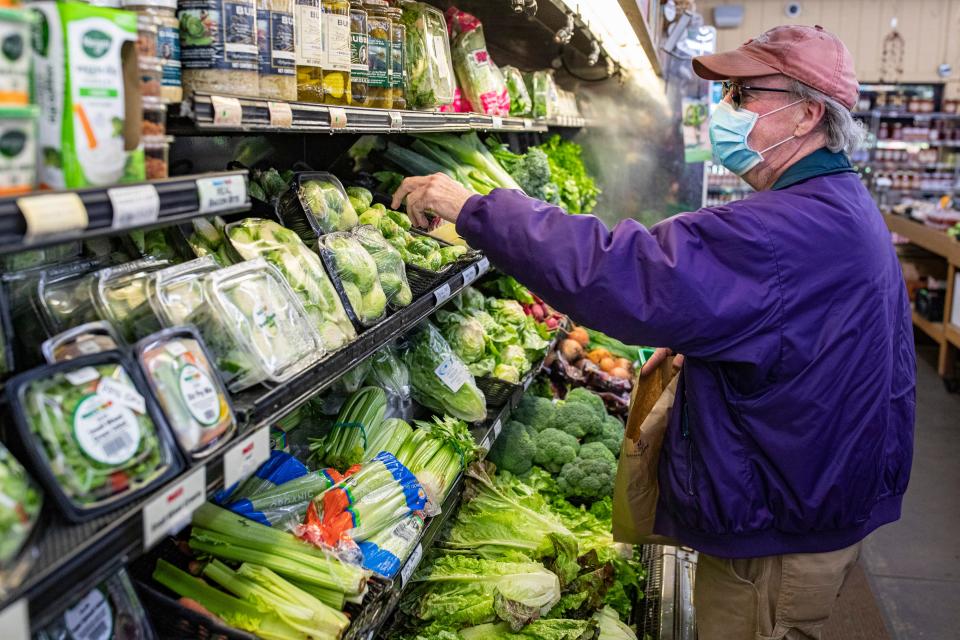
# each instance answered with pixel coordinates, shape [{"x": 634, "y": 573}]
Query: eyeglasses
[{"x": 735, "y": 90}]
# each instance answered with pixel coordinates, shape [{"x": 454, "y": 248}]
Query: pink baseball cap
[{"x": 811, "y": 55}]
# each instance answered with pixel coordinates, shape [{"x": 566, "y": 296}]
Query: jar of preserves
[
  {"x": 278, "y": 72},
  {"x": 336, "y": 51},
  {"x": 309, "y": 50},
  {"x": 164, "y": 12},
  {"x": 379, "y": 54},
  {"x": 399, "y": 40},
  {"x": 358, "y": 53},
  {"x": 218, "y": 46}
]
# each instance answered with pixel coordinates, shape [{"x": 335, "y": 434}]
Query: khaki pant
[{"x": 786, "y": 597}]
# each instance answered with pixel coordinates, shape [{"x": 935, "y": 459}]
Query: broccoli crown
[
  {"x": 535, "y": 412},
  {"x": 532, "y": 172},
  {"x": 596, "y": 450},
  {"x": 587, "y": 478},
  {"x": 577, "y": 419},
  {"x": 514, "y": 449},
  {"x": 554, "y": 448},
  {"x": 584, "y": 396},
  {"x": 611, "y": 435}
]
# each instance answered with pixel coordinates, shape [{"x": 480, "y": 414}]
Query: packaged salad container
[
  {"x": 63, "y": 295},
  {"x": 85, "y": 340},
  {"x": 303, "y": 270},
  {"x": 254, "y": 325},
  {"x": 185, "y": 383},
  {"x": 355, "y": 273},
  {"x": 94, "y": 434},
  {"x": 316, "y": 203},
  {"x": 176, "y": 292},
  {"x": 110, "y": 611},
  {"x": 429, "y": 68},
  {"x": 119, "y": 296},
  {"x": 20, "y": 502}
]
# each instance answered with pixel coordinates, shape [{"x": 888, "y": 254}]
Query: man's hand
[
  {"x": 657, "y": 359},
  {"x": 438, "y": 194}
]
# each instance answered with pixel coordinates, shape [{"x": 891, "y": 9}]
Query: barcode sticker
[
  {"x": 411, "y": 565},
  {"x": 227, "y": 112},
  {"x": 53, "y": 213},
  {"x": 122, "y": 394},
  {"x": 221, "y": 193},
  {"x": 246, "y": 456},
  {"x": 452, "y": 373},
  {"x": 442, "y": 294},
  {"x": 338, "y": 118},
  {"x": 15, "y": 621},
  {"x": 469, "y": 274},
  {"x": 134, "y": 206},
  {"x": 281, "y": 115},
  {"x": 170, "y": 510},
  {"x": 483, "y": 266}
]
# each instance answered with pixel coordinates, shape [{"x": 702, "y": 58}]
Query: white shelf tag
[
  {"x": 135, "y": 206},
  {"x": 411, "y": 565},
  {"x": 497, "y": 122},
  {"x": 221, "y": 193},
  {"x": 15, "y": 621},
  {"x": 485, "y": 445},
  {"x": 483, "y": 266},
  {"x": 227, "y": 112},
  {"x": 53, "y": 213},
  {"x": 442, "y": 294},
  {"x": 338, "y": 118},
  {"x": 281, "y": 115},
  {"x": 396, "y": 120},
  {"x": 527, "y": 123},
  {"x": 497, "y": 428},
  {"x": 170, "y": 510},
  {"x": 469, "y": 274},
  {"x": 246, "y": 456}
]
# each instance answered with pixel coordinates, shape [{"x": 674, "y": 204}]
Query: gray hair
[{"x": 843, "y": 133}]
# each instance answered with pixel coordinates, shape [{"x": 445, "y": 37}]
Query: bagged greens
[
  {"x": 543, "y": 92},
  {"x": 430, "y": 78},
  {"x": 479, "y": 78},
  {"x": 389, "y": 372},
  {"x": 20, "y": 502},
  {"x": 92, "y": 430},
  {"x": 358, "y": 275},
  {"x": 188, "y": 389},
  {"x": 176, "y": 292},
  {"x": 440, "y": 379},
  {"x": 303, "y": 271},
  {"x": 520, "y": 103},
  {"x": 393, "y": 274}
]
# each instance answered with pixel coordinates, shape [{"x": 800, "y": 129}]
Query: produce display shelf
[
  {"x": 933, "y": 329},
  {"x": 73, "y": 558},
  {"x": 952, "y": 333},
  {"x": 81, "y": 214},
  {"x": 931, "y": 239},
  {"x": 570, "y": 122},
  {"x": 203, "y": 113}
]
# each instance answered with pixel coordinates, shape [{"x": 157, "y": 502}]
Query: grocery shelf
[
  {"x": 921, "y": 235},
  {"x": 894, "y": 115},
  {"x": 952, "y": 334},
  {"x": 73, "y": 558},
  {"x": 203, "y": 113},
  {"x": 81, "y": 214},
  {"x": 933, "y": 329}
]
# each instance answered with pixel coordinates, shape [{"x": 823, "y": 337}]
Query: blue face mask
[{"x": 729, "y": 129}]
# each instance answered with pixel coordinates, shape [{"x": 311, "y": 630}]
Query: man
[{"x": 792, "y": 433}]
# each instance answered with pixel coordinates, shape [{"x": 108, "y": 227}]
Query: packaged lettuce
[
  {"x": 393, "y": 273},
  {"x": 188, "y": 390},
  {"x": 480, "y": 79},
  {"x": 119, "y": 296},
  {"x": 254, "y": 325},
  {"x": 520, "y": 102},
  {"x": 91, "y": 432},
  {"x": 440, "y": 379},
  {"x": 20, "y": 502},
  {"x": 316, "y": 204},
  {"x": 85, "y": 340},
  {"x": 430, "y": 79},
  {"x": 303, "y": 271},
  {"x": 357, "y": 271},
  {"x": 543, "y": 93},
  {"x": 110, "y": 611},
  {"x": 63, "y": 296},
  {"x": 176, "y": 292}
]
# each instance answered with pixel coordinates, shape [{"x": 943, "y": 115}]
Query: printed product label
[
  {"x": 440, "y": 57},
  {"x": 452, "y": 373},
  {"x": 90, "y": 619},
  {"x": 359, "y": 63},
  {"x": 15, "y": 57},
  {"x": 381, "y": 69},
  {"x": 266, "y": 321},
  {"x": 200, "y": 395},
  {"x": 106, "y": 431},
  {"x": 218, "y": 35},
  {"x": 399, "y": 60},
  {"x": 309, "y": 41},
  {"x": 480, "y": 57},
  {"x": 275, "y": 38},
  {"x": 168, "y": 50},
  {"x": 336, "y": 42},
  {"x": 121, "y": 393},
  {"x": 18, "y": 157}
]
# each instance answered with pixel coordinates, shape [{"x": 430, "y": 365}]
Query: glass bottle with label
[
  {"x": 379, "y": 54},
  {"x": 308, "y": 23},
  {"x": 218, "y": 46},
  {"x": 336, "y": 51},
  {"x": 399, "y": 39},
  {"x": 278, "y": 74},
  {"x": 358, "y": 53}
]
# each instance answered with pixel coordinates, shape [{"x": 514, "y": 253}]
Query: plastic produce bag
[
  {"x": 389, "y": 372},
  {"x": 85, "y": 340},
  {"x": 254, "y": 325},
  {"x": 520, "y": 102},
  {"x": 480, "y": 79},
  {"x": 188, "y": 389},
  {"x": 303, "y": 270},
  {"x": 176, "y": 292},
  {"x": 20, "y": 502},
  {"x": 93, "y": 431},
  {"x": 440, "y": 379},
  {"x": 543, "y": 93},
  {"x": 385, "y": 552},
  {"x": 119, "y": 296},
  {"x": 390, "y": 267},
  {"x": 357, "y": 272},
  {"x": 430, "y": 78},
  {"x": 110, "y": 611}
]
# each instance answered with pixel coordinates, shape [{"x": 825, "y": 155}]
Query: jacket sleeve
[{"x": 704, "y": 284}]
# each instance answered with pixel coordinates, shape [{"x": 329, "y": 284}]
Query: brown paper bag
[{"x": 637, "y": 488}]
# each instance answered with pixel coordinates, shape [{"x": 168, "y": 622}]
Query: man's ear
[{"x": 812, "y": 116}]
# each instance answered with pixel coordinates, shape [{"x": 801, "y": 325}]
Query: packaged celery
[
  {"x": 479, "y": 78},
  {"x": 385, "y": 552}
]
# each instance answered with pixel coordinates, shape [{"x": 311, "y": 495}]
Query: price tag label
[
  {"x": 527, "y": 123},
  {"x": 246, "y": 456},
  {"x": 338, "y": 118},
  {"x": 497, "y": 428},
  {"x": 134, "y": 206},
  {"x": 442, "y": 294},
  {"x": 15, "y": 621},
  {"x": 227, "y": 112},
  {"x": 497, "y": 122},
  {"x": 53, "y": 213},
  {"x": 411, "y": 565},
  {"x": 281, "y": 115},
  {"x": 483, "y": 266},
  {"x": 171, "y": 509},
  {"x": 469, "y": 274},
  {"x": 453, "y": 373},
  {"x": 122, "y": 394},
  {"x": 485, "y": 445},
  {"x": 396, "y": 120},
  {"x": 221, "y": 193}
]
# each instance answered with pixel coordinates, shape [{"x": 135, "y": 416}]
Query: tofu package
[{"x": 86, "y": 85}]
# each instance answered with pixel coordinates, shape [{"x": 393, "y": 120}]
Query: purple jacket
[{"x": 793, "y": 424}]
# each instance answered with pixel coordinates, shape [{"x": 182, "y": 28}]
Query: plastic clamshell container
[
  {"x": 188, "y": 389},
  {"x": 431, "y": 82},
  {"x": 64, "y": 299},
  {"x": 85, "y": 340},
  {"x": 20, "y": 503},
  {"x": 316, "y": 203},
  {"x": 255, "y": 310},
  {"x": 355, "y": 275},
  {"x": 93, "y": 432},
  {"x": 120, "y": 297},
  {"x": 176, "y": 292}
]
